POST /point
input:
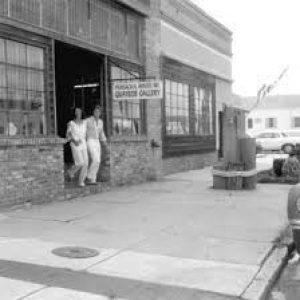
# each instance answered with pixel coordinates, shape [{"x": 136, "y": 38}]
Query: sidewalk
[{"x": 176, "y": 239}]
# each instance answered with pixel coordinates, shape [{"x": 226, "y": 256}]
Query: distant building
[{"x": 280, "y": 112}]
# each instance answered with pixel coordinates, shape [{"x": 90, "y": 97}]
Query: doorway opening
[{"x": 79, "y": 83}]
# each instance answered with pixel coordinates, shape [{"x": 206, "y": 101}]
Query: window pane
[
  {"x": 35, "y": 57},
  {"x": 3, "y": 123},
  {"x": 115, "y": 73},
  {"x": 16, "y": 53},
  {"x": 168, "y": 104},
  {"x": 180, "y": 102},
  {"x": 35, "y": 124},
  {"x": 3, "y": 98},
  {"x": 117, "y": 106},
  {"x": 2, "y": 50},
  {"x": 137, "y": 126},
  {"x": 35, "y": 80},
  {"x": 296, "y": 122},
  {"x": 180, "y": 89},
  {"x": 201, "y": 116},
  {"x": 136, "y": 111},
  {"x": 168, "y": 86},
  {"x": 117, "y": 127},
  {"x": 168, "y": 111},
  {"x": 174, "y": 88},
  {"x": 177, "y": 109},
  {"x": 36, "y": 101},
  {"x": 196, "y": 97},
  {"x": 17, "y": 99},
  {"x": 186, "y": 90},
  {"x": 21, "y": 89},
  {"x": 3, "y": 82},
  {"x": 16, "y": 78},
  {"x": 211, "y": 117},
  {"x": 126, "y": 113},
  {"x": 16, "y": 124}
]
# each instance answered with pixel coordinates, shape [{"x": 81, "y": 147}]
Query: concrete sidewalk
[{"x": 176, "y": 239}]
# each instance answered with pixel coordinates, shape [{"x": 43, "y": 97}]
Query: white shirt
[
  {"x": 77, "y": 131},
  {"x": 95, "y": 129}
]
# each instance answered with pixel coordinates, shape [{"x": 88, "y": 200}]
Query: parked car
[
  {"x": 277, "y": 140},
  {"x": 293, "y": 132}
]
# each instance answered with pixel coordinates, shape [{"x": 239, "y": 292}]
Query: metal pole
[{"x": 106, "y": 99}]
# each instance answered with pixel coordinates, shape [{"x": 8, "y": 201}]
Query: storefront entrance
[{"x": 79, "y": 83}]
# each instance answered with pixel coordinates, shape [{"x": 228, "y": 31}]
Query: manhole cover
[{"x": 75, "y": 252}]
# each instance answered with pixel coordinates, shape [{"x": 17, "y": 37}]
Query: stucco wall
[
  {"x": 284, "y": 118},
  {"x": 190, "y": 36},
  {"x": 195, "y": 22}
]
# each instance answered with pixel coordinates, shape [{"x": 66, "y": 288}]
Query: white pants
[
  {"x": 81, "y": 161},
  {"x": 94, "y": 150}
]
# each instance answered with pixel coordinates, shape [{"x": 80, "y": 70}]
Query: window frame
[
  {"x": 180, "y": 145},
  {"x": 129, "y": 67},
  {"x": 294, "y": 119},
  {"x": 273, "y": 121},
  {"x": 176, "y": 107},
  {"x": 45, "y": 45},
  {"x": 250, "y": 122}
]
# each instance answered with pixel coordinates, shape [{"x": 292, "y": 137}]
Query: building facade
[
  {"x": 55, "y": 55},
  {"x": 196, "y": 70},
  {"x": 280, "y": 112}
]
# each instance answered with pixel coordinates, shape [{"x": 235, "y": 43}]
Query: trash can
[{"x": 294, "y": 214}]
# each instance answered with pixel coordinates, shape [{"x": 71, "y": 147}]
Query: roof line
[{"x": 206, "y": 15}]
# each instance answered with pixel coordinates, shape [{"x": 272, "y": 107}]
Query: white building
[{"x": 280, "y": 112}]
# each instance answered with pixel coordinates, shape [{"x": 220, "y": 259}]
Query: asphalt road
[{"x": 288, "y": 285}]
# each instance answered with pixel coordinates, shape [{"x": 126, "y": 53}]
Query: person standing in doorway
[
  {"x": 76, "y": 134},
  {"x": 95, "y": 135}
]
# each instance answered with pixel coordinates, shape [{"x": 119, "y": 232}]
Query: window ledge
[
  {"x": 129, "y": 139},
  {"x": 31, "y": 141}
]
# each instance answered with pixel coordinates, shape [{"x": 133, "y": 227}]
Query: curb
[{"x": 264, "y": 280}]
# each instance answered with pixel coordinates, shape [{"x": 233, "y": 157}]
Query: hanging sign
[{"x": 136, "y": 89}]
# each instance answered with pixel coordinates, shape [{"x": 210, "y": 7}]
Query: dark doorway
[{"x": 79, "y": 83}]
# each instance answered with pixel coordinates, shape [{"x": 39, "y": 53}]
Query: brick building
[{"x": 58, "y": 54}]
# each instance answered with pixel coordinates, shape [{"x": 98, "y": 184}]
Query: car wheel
[{"x": 288, "y": 149}]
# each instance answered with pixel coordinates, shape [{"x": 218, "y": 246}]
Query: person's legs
[
  {"x": 94, "y": 150},
  {"x": 77, "y": 161},
  {"x": 84, "y": 166}
]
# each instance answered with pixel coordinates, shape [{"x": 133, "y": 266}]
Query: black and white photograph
[{"x": 149, "y": 150}]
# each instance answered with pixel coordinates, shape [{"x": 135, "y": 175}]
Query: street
[
  {"x": 175, "y": 239},
  {"x": 288, "y": 285}
]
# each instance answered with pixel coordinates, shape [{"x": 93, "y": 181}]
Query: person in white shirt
[
  {"x": 95, "y": 134},
  {"x": 76, "y": 134}
]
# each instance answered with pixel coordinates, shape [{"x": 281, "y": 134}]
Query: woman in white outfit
[
  {"x": 95, "y": 134},
  {"x": 76, "y": 134}
]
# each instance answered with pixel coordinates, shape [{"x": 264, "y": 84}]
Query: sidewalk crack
[{"x": 33, "y": 293}]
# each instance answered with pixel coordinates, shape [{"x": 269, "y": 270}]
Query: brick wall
[
  {"x": 152, "y": 49},
  {"x": 30, "y": 170},
  {"x": 129, "y": 162},
  {"x": 189, "y": 162}
]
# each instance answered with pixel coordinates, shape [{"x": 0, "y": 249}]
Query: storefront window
[
  {"x": 126, "y": 113},
  {"x": 22, "y": 91},
  {"x": 203, "y": 103},
  {"x": 177, "y": 108}
]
